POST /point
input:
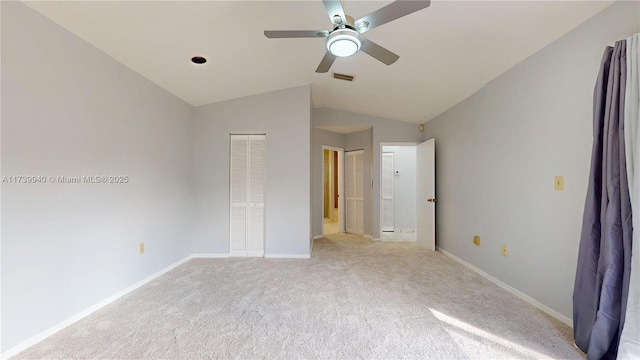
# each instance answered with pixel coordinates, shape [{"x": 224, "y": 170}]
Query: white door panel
[
  {"x": 426, "y": 178},
  {"x": 355, "y": 192},
  {"x": 238, "y": 228}
]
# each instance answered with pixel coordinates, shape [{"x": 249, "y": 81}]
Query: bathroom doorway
[{"x": 332, "y": 190}]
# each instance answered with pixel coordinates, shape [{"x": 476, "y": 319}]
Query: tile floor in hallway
[
  {"x": 398, "y": 236},
  {"x": 330, "y": 227},
  {"x": 333, "y": 228}
]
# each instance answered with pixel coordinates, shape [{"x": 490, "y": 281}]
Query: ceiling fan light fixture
[
  {"x": 343, "y": 47},
  {"x": 344, "y": 42}
]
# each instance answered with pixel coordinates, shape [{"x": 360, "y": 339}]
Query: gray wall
[
  {"x": 285, "y": 118},
  {"x": 320, "y": 138},
  {"x": 499, "y": 150},
  {"x": 363, "y": 140},
  {"x": 384, "y": 130},
  {"x": 68, "y": 109},
  {"x": 404, "y": 186}
]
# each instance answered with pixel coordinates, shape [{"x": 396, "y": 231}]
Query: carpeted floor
[{"x": 353, "y": 299}]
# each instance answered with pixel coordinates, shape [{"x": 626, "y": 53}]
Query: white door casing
[
  {"x": 247, "y": 195},
  {"x": 426, "y": 179},
  {"x": 387, "y": 201},
  {"x": 354, "y": 169}
]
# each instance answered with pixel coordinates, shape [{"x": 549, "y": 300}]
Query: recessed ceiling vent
[{"x": 344, "y": 77}]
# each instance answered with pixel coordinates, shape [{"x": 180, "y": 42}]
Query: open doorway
[
  {"x": 398, "y": 192},
  {"x": 332, "y": 190}
]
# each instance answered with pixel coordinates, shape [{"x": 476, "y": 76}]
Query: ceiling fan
[{"x": 345, "y": 39}]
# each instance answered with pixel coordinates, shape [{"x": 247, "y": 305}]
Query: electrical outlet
[
  {"x": 476, "y": 240},
  {"x": 141, "y": 248},
  {"x": 505, "y": 251},
  {"x": 559, "y": 181}
]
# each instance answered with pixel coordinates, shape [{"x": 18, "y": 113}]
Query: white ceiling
[{"x": 447, "y": 51}]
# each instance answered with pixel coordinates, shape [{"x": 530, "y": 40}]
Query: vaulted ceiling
[{"x": 447, "y": 51}]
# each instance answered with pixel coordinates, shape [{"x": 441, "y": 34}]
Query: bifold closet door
[
  {"x": 247, "y": 178},
  {"x": 354, "y": 170}
]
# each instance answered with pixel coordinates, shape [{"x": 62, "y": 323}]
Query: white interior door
[
  {"x": 354, "y": 169},
  {"x": 247, "y": 179},
  {"x": 388, "y": 216},
  {"x": 426, "y": 179}
]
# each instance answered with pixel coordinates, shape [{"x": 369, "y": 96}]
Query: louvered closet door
[
  {"x": 239, "y": 210},
  {"x": 257, "y": 169},
  {"x": 355, "y": 192},
  {"x": 388, "y": 219},
  {"x": 247, "y": 178}
]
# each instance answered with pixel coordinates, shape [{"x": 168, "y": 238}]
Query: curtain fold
[
  {"x": 604, "y": 260},
  {"x": 630, "y": 339}
]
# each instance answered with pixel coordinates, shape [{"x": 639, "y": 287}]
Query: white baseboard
[
  {"x": 210, "y": 256},
  {"x": 287, "y": 256},
  {"x": 88, "y": 311},
  {"x": 245, "y": 253},
  {"x": 316, "y": 237},
  {"x": 511, "y": 289}
]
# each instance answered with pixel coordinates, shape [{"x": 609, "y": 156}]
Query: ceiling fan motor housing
[{"x": 344, "y": 41}]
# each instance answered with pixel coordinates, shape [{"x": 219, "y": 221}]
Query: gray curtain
[
  {"x": 604, "y": 260},
  {"x": 630, "y": 339}
]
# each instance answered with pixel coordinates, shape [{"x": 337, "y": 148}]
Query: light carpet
[{"x": 354, "y": 299}]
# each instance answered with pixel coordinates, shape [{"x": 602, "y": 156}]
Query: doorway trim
[
  {"x": 382, "y": 145},
  {"x": 340, "y": 187}
]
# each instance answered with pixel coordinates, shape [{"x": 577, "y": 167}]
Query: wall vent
[{"x": 343, "y": 77}]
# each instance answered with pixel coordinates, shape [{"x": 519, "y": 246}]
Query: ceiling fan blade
[
  {"x": 334, "y": 7},
  {"x": 378, "y": 52},
  {"x": 326, "y": 63},
  {"x": 285, "y": 34},
  {"x": 393, "y": 11}
]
